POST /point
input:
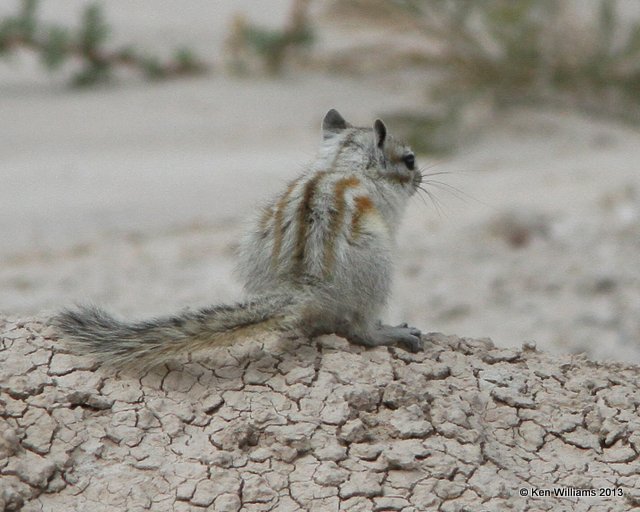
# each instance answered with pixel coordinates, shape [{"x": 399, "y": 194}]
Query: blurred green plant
[
  {"x": 57, "y": 44},
  {"x": 271, "y": 47},
  {"x": 520, "y": 50}
]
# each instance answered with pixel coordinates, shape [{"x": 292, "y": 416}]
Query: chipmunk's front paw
[
  {"x": 410, "y": 338},
  {"x": 386, "y": 335},
  {"x": 404, "y": 336}
]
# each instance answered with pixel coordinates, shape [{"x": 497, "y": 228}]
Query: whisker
[
  {"x": 427, "y": 173},
  {"x": 430, "y": 199},
  {"x": 435, "y": 201},
  {"x": 423, "y": 170},
  {"x": 455, "y": 191},
  {"x": 439, "y": 173},
  {"x": 439, "y": 205},
  {"x": 422, "y": 197},
  {"x": 432, "y": 164}
]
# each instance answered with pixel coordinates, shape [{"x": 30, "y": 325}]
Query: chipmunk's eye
[{"x": 410, "y": 161}]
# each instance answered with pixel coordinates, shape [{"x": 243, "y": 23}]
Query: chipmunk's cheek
[{"x": 401, "y": 178}]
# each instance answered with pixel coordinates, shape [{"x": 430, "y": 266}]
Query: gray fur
[
  {"x": 349, "y": 299},
  {"x": 334, "y": 279}
]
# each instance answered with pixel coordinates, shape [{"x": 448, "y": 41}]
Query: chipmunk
[{"x": 317, "y": 261}]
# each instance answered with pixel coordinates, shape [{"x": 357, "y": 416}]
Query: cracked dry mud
[{"x": 323, "y": 425}]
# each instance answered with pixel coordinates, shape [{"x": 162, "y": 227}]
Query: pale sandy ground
[{"x": 134, "y": 196}]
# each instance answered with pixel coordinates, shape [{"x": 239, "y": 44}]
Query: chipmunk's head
[{"x": 371, "y": 150}]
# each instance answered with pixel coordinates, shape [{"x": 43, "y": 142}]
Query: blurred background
[{"x": 137, "y": 137}]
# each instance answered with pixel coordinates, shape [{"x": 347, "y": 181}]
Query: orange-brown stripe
[
  {"x": 278, "y": 230},
  {"x": 337, "y": 219},
  {"x": 363, "y": 205},
  {"x": 304, "y": 218}
]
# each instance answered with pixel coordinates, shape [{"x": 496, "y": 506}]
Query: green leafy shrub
[
  {"x": 577, "y": 53},
  {"x": 57, "y": 44},
  {"x": 248, "y": 41}
]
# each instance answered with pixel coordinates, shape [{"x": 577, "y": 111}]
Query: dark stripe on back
[
  {"x": 278, "y": 225},
  {"x": 304, "y": 220}
]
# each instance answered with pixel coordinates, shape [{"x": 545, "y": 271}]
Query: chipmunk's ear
[
  {"x": 333, "y": 123},
  {"x": 380, "y": 132}
]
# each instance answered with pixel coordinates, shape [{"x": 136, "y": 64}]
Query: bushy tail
[{"x": 92, "y": 331}]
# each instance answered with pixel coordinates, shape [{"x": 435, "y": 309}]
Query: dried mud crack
[{"x": 322, "y": 425}]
